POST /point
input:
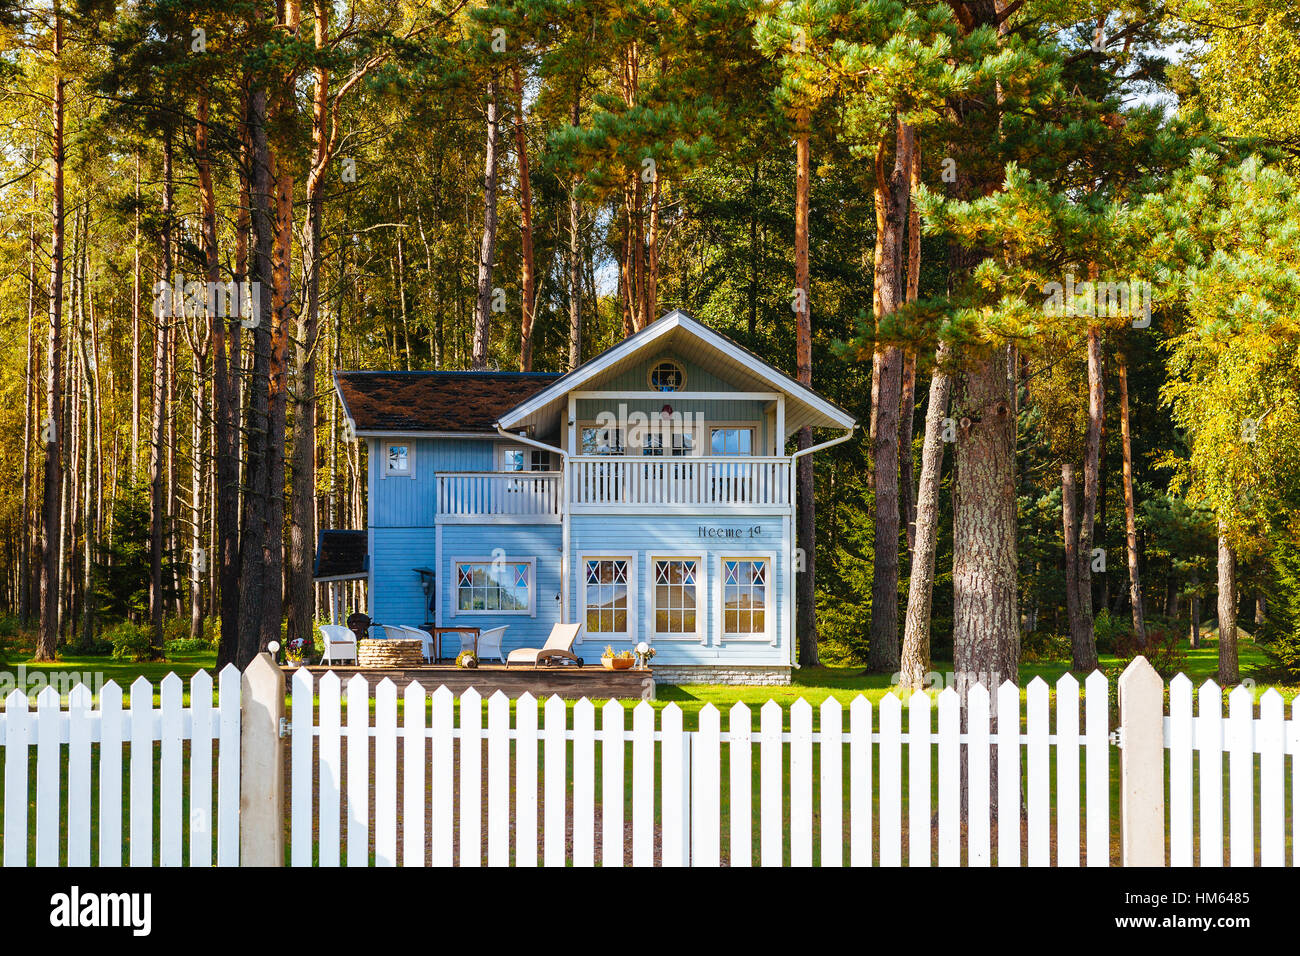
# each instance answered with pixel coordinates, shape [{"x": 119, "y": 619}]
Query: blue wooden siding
[
  {"x": 679, "y": 534},
  {"x": 412, "y": 502}
]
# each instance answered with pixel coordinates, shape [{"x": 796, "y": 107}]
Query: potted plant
[
  {"x": 643, "y": 654},
  {"x": 296, "y": 651},
  {"x": 466, "y": 659},
  {"x": 613, "y": 660}
]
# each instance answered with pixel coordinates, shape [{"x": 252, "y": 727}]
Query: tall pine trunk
[
  {"x": 920, "y": 591},
  {"x": 1130, "y": 508},
  {"x": 907, "y": 408},
  {"x": 157, "y": 454},
  {"x": 487, "y": 245},
  {"x": 806, "y": 516},
  {"x": 1081, "y": 638},
  {"x": 528, "y": 278},
  {"x": 1085, "y": 644},
  {"x": 1228, "y": 670}
]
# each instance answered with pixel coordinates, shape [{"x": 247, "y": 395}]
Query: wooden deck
[{"x": 591, "y": 681}]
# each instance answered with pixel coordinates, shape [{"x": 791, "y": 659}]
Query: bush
[
  {"x": 131, "y": 641},
  {"x": 1111, "y": 632},
  {"x": 1163, "y": 650},
  {"x": 1044, "y": 646},
  {"x": 189, "y": 645}
]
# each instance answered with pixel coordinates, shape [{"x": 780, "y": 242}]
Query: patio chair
[
  {"x": 394, "y": 632},
  {"x": 489, "y": 644},
  {"x": 422, "y": 635},
  {"x": 558, "y": 647},
  {"x": 338, "y": 642}
]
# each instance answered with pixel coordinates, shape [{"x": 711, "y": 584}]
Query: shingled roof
[{"x": 434, "y": 401}]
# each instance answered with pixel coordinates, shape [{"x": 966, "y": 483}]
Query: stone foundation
[{"x": 770, "y": 676}]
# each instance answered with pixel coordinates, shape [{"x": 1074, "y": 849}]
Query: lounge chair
[
  {"x": 558, "y": 647},
  {"x": 489, "y": 644},
  {"x": 339, "y": 643}
]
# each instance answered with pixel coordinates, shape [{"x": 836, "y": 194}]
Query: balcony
[
  {"x": 633, "y": 483},
  {"x": 518, "y": 497}
]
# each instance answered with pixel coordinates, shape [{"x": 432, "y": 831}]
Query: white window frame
[
  {"x": 720, "y": 635},
  {"x": 633, "y": 596},
  {"x": 453, "y": 601},
  {"x": 384, "y": 471},
  {"x": 504, "y": 450},
  {"x": 583, "y": 426},
  {"x": 755, "y": 428},
  {"x": 701, "y": 635}
]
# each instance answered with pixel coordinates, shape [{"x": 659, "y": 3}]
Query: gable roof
[
  {"x": 680, "y": 334},
  {"x": 433, "y": 402}
]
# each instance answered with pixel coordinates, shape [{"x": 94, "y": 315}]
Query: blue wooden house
[{"x": 647, "y": 494}]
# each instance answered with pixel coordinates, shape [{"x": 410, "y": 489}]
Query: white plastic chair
[
  {"x": 394, "y": 632},
  {"x": 489, "y": 644},
  {"x": 422, "y": 635},
  {"x": 339, "y": 644}
]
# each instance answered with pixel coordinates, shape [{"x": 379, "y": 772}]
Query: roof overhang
[{"x": 678, "y": 334}]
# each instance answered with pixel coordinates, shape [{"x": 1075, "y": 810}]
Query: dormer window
[
  {"x": 399, "y": 460},
  {"x": 667, "y": 376}
]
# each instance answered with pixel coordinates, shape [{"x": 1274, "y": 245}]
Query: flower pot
[{"x": 617, "y": 663}]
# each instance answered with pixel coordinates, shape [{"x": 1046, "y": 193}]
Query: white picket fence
[
  {"x": 88, "y": 738},
  {"x": 677, "y": 780}
]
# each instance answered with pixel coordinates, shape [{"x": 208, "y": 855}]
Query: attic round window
[{"x": 667, "y": 376}]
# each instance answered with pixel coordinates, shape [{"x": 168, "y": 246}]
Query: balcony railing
[
  {"x": 633, "y": 481},
  {"x": 519, "y": 494}
]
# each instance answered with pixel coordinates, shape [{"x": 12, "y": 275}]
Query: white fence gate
[{"x": 79, "y": 755}]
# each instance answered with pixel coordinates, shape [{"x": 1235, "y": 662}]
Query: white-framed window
[
  {"x": 608, "y": 596},
  {"x": 399, "y": 460},
  {"x": 731, "y": 440},
  {"x": 524, "y": 459},
  {"x": 745, "y": 597},
  {"x": 493, "y": 586},
  {"x": 666, "y": 375},
  {"x": 677, "y": 597},
  {"x": 599, "y": 440}
]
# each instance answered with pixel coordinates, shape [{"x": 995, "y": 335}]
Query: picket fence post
[
  {"x": 261, "y": 764},
  {"x": 1142, "y": 765}
]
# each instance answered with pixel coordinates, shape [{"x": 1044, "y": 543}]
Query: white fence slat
[
  {"x": 918, "y": 779},
  {"x": 526, "y": 780},
  {"x": 643, "y": 780},
  {"x": 771, "y": 802},
  {"x": 1039, "y": 773},
  {"x": 498, "y": 776},
  {"x": 17, "y": 729},
  {"x": 301, "y": 744},
  {"x": 611, "y": 784},
  {"x": 229, "y": 682},
  {"x": 831, "y": 768},
  {"x": 441, "y": 779},
  {"x": 331, "y": 769},
  {"x": 358, "y": 786},
  {"x": 706, "y": 792},
  {"x": 141, "y": 773},
  {"x": 977, "y": 769},
  {"x": 584, "y": 783},
  {"x": 554, "y": 781},
  {"x": 79, "y": 701},
  {"x": 891, "y": 820},
  {"x": 110, "y": 777},
  {"x": 1209, "y": 745},
  {"x": 48, "y": 753},
  {"x": 1272, "y": 786},
  {"x": 201, "y": 735},
  {"x": 949, "y": 778},
  {"x": 860, "y": 773},
  {"x": 413, "y": 763},
  {"x": 471, "y": 778},
  {"x": 1241, "y": 777},
  {"x": 1181, "y": 837},
  {"x": 801, "y": 785},
  {"x": 1067, "y": 771},
  {"x": 740, "y": 784},
  {"x": 385, "y": 773},
  {"x": 170, "y": 822},
  {"x": 1008, "y": 723},
  {"x": 673, "y": 805},
  {"x": 1097, "y": 768}
]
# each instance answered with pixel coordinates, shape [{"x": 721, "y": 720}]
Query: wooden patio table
[{"x": 437, "y": 633}]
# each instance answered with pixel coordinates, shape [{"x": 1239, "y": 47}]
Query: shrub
[
  {"x": 189, "y": 645},
  {"x": 1111, "y": 632},
  {"x": 131, "y": 641},
  {"x": 1044, "y": 646},
  {"x": 1163, "y": 650}
]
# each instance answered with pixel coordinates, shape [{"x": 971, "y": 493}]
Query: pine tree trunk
[
  {"x": 1229, "y": 673},
  {"x": 51, "y": 544},
  {"x": 136, "y": 294},
  {"x": 1082, "y": 645},
  {"x": 487, "y": 247},
  {"x": 30, "y": 413},
  {"x": 892, "y": 198},
  {"x": 528, "y": 277},
  {"x": 1085, "y": 657},
  {"x": 1130, "y": 508},
  {"x": 916, "y": 631},
  {"x": 157, "y": 463},
  {"x": 806, "y": 522}
]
